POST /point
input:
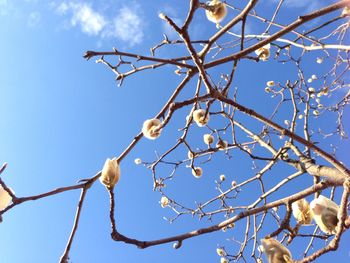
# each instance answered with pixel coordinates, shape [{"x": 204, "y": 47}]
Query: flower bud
[
  {"x": 264, "y": 52},
  {"x": 218, "y": 13},
  {"x": 270, "y": 83},
  {"x": 325, "y": 214},
  {"x": 5, "y": 198},
  {"x": 151, "y": 129},
  {"x": 220, "y": 252},
  {"x": 275, "y": 251},
  {"x": 208, "y": 139},
  {"x": 301, "y": 212},
  {"x": 222, "y": 145},
  {"x": 164, "y": 201},
  {"x": 110, "y": 173},
  {"x": 197, "y": 172},
  {"x": 200, "y": 117}
]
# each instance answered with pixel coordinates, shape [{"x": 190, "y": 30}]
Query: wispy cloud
[
  {"x": 127, "y": 25},
  {"x": 90, "y": 21},
  {"x": 34, "y": 19},
  {"x": 5, "y": 7}
]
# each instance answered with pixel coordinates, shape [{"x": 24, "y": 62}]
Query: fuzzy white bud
[
  {"x": 301, "y": 212},
  {"x": 164, "y": 201},
  {"x": 325, "y": 214},
  {"x": 151, "y": 129},
  {"x": 218, "y": 13},
  {"x": 110, "y": 173},
  {"x": 264, "y": 52},
  {"x": 5, "y": 198},
  {"x": 208, "y": 139},
  {"x": 200, "y": 117}
]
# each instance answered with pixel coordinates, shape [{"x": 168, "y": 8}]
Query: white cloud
[
  {"x": 127, "y": 25},
  {"x": 90, "y": 21}
]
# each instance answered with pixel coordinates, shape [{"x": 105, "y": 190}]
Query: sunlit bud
[
  {"x": 197, "y": 172},
  {"x": 275, "y": 251},
  {"x": 301, "y": 212},
  {"x": 325, "y": 214},
  {"x": 320, "y": 106},
  {"x": 325, "y": 91},
  {"x": 315, "y": 112},
  {"x": 246, "y": 148},
  {"x": 220, "y": 252},
  {"x": 151, "y": 129},
  {"x": 218, "y": 13},
  {"x": 259, "y": 260},
  {"x": 317, "y": 100},
  {"x": 319, "y": 60},
  {"x": 285, "y": 156},
  {"x": 314, "y": 77},
  {"x": 190, "y": 155},
  {"x": 223, "y": 260},
  {"x": 346, "y": 11},
  {"x": 222, "y": 145},
  {"x": 164, "y": 201},
  {"x": 286, "y": 122},
  {"x": 161, "y": 16},
  {"x": 137, "y": 161},
  {"x": 233, "y": 183},
  {"x": 309, "y": 80},
  {"x": 275, "y": 209},
  {"x": 208, "y": 139},
  {"x": 232, "y": 225},
  {"x": 313, "y": 95},
  {"x": 5, "y": 198},
  {"x": 177, "y": 71},
  {"x": 300, "y": 116},
  {"x": 270, "y": 83},
  {"x": 110, "y": 173},
  {"x": 267, "y": 89},
  {"x": 200, "y": 117},
  {"x": 263, "y": 53},
  {"x": 311, "y": 90},
  {"x": 222, "y": 177}
]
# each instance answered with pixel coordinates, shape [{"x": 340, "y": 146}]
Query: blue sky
[{"x": 62, "y": 116}]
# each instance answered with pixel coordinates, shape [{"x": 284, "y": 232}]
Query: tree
[{"x": 283, "y": 163}]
